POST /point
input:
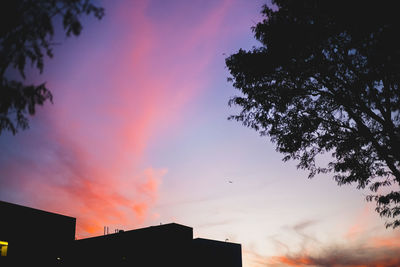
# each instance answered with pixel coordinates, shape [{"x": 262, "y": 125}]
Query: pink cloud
[{"x": 88, "y": 157}]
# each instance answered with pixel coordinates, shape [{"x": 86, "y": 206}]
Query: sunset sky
[{"x": 138, "y": 135}]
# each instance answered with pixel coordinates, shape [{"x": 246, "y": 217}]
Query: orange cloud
[
  {"x": 363, "y": 247},
  {"x": 140, "y": 209},
  {"x": 385, "y": 241},
  {"x": 88, "y": 157},
  {"x": 343, "y": 258},
  {"x": 298, "y": 262}
]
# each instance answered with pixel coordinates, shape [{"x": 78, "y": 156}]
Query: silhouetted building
[
  {"x": 44, "y": 237},
  {"x": 32, "y": 236},
  {"x": 212, "y": 253},
  {"x": 164, "y": 245}
]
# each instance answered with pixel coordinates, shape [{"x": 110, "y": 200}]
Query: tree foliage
[
  {"x": 326, "y": 78},
  {"x": 26, "y": 32}
]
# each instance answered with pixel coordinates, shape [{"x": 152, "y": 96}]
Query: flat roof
[
  {"x": 215, "y": 241},
  {"x": 139, "y": 230}
]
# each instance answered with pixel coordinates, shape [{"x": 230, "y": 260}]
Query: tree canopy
[
  {"x": 26, "y": 32},
  {"x": 325, "y": 79}
]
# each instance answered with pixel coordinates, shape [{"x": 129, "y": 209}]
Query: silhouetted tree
[
  {"x": 26, "y": 32},
  {"x": 326, "y": 79}
]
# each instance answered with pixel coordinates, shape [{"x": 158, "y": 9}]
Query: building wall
[
  {"x": 212, "y": 253},
  {"x": 40, "y": 238},
  {"x": 34, "y": 235},
  {"x": 164, "y": 245}
]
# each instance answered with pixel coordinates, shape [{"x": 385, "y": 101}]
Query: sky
[{"x": 138, "y": 135}]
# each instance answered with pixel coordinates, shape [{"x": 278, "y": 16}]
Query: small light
[
  {"x": 58, "y": 258},
  {"x": 3, "y": 248}
]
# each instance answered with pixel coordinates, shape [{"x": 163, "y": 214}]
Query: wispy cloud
[
  {"x": 362, "y": 249},
  {"x": 85, "y": 156},
  {"x": 366, "y": 255}
]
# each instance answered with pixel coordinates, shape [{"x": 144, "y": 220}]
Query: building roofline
[
  {"x": 216, "y": 241},
  {"x": 137, "y": 230},
  {"x": 36, "y": 210}
]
